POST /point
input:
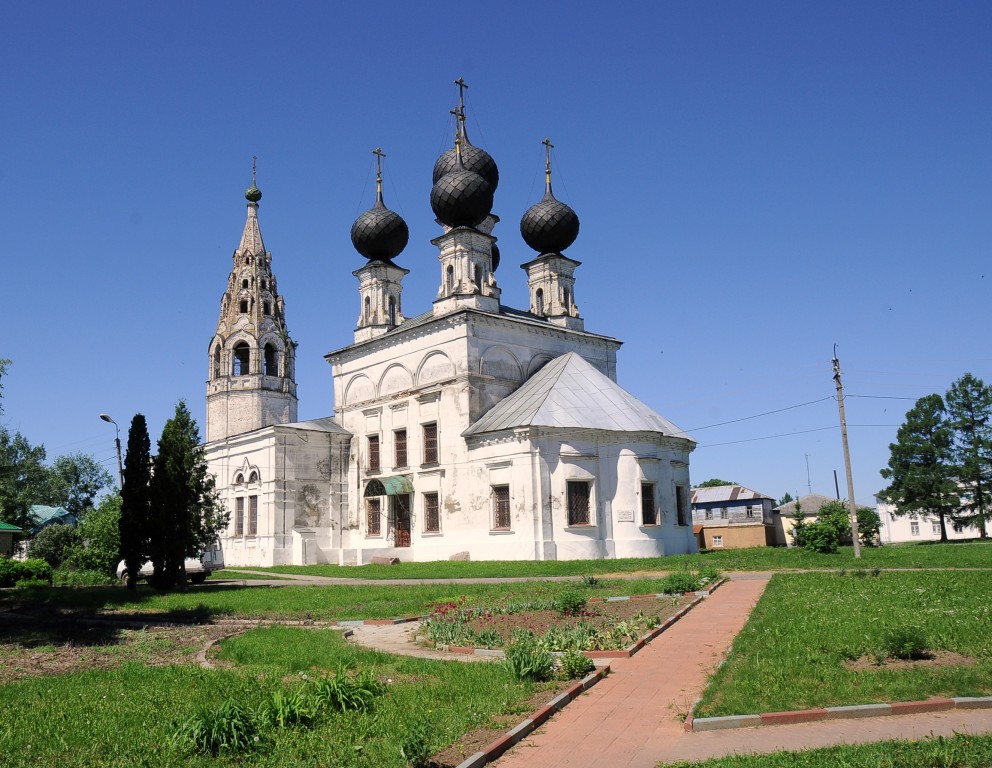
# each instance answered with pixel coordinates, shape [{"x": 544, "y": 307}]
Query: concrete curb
[
  {"x": 537, "y": 718},
  {"x": 699, "y": 724}
]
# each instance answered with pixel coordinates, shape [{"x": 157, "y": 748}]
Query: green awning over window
[{"x": 396, "y": 485}]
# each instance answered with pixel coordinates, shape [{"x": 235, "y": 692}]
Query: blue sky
[{"x": 756, "y": 182}]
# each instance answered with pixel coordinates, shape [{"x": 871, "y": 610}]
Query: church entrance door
[{"x": 401, "y": 516}]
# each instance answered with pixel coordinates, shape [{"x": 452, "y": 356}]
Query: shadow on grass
[{"x": 95, "y": 616}]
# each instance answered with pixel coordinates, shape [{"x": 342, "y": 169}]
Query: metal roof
[
  {"x": 325, "y": 424},
  {"x": 719, "y": 493},
  {"x": 7, "y": 527},
  {"x": 570, "y": 392}
]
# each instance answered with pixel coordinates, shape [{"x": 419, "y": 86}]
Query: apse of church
[{"x": 469, "y": 429}]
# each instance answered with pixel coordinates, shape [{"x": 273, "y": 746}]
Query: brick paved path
[{"x": 631, "y": 719}]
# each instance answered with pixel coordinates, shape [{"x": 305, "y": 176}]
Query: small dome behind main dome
[
  {"x": 473, "y": 158},
  {"x": 549, "y": 226},
  {"x": 379, "y": 233}
]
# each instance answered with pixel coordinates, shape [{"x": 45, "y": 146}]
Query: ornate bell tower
[{"x": 252, "y": 381}]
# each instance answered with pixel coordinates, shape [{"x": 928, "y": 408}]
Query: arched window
[
  {"x": 253, "y": 478},
  {"x": 241, "y": 357},
  {"x": 449, "y": 279},
  {"x": 265, "y": 284},
  {"x": 567, "y": 299},
  {"x": 239, "y": 479},
  {"x": 478, "y": 277},
  {"x": 271, "y": 360},
  {"x": 368, "y": 309},
  {"x": 267, "y": 308},
  {"x": 244, "y": 306},
  {"x": 392, "y": 310},
  {"x": 539, "y": 301},
  {"x": 217, "y": 361}
]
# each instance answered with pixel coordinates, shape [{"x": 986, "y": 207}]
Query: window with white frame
[
  {"x": 253, "y": 515},
  {"x": 373, "y": 516},
  {"x": 914, "y": 528},
  {"x": 718, "y": 541},
  {"x": 432, "y": 513},
  {"x": 649, "y": 512},
  {"x": 239, "y": 516},
  {"x": 935, "y": 527},
  {"x": 577, "y": 497}
]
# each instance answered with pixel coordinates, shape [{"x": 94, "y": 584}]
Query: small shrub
[
  {"x": 708, "y": 574},
  {"x": 286, "y": 710},
  {"x": 489, "y": 638},
  {"x": 14, "y": 571},
  {"x": 590, "y": 581},
  {"x": 678, "y": 582},
  {"x": 81, "y": 577},
  {"x": 415, "y": 744},
  {"x": 31, "y": 584},
  {"x": 229, "y": 728},
  {"x": 570, "y": 602},
  {"x": 575, "y": 665},
  {"x": 53, "y": 543},
  {"x": 527, "y": 659},
  {"x": 342, "y": 692},
  {"x": 908, "y": 643}
]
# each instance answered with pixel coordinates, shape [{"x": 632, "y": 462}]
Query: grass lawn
[
  {"x": 327, "y": 603},
  {"x": 124, "y": 717},
  {"x": 956, "y": 752},
  {"x": 795, "y": 650},
  {"x": 977, "y": 554}
]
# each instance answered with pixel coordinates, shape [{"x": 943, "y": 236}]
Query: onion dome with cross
[
  {"x": 379, "y": 233},
  {"x": 549, "y": 226},
  {"x": 465, "y": 178}
]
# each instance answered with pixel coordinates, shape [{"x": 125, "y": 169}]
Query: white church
[{"x": 471, "y": 430}]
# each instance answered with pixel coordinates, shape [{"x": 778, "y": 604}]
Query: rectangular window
[
  {"x": 432, "y": 513},
  {"x": 399, "y": 448},
  {"x": 680, "y": 512},
  {"x": 373, "y": 513},
  {"x": 749, "y": 512},
  {"x": 252, "y": 515},
  {"x": 936, "y": 527},
  {"x": 239, "y": 516},
  {"x": 501, "y": 507},
  {"x": 708, "y": 514},
  {"x": 374, "y": 464},
  {"x": 914, "y": 528},
  {"x": 578, "y": 502},
  {"x": 430, "y": 443},
  {"x": 649, "y": 515},
  {"x": 724, "y": 513},
  {"x": 718, "y": 541}
]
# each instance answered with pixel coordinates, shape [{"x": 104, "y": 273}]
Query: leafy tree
[
  {"x": 98, "y": 546},
  {"x": 136, "y": 498},
  {"x": 832, "y": 527},
  {"x": 53, "y": 543},
  {"x": 785, "y": 499},
  {"x": 921, "y": 469},
  {"x": 715, "y": 483},
  {"x": 969, "y": 412},
  {"x": 186, "y": 515},
  {"x": 869, "y": 525},
  {"x": 23, "y": 478},
  {"x": 74, "y": 481}
]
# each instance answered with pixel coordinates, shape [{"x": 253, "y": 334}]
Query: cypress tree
[{"x": 136, "y": 499}]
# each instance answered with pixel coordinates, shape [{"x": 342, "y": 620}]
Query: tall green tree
[
  {"x": 785, "y": 499},
  {"x": 74, "y": 481},
  {"x": 969, "y": 411},
  {"x": 186, "y": 515},
  {"x": 136, "y": 499},
  {"x": 23, "y": 478},
  {"x": 715, "y": 482},
  {"x": 921, "y": 464}
]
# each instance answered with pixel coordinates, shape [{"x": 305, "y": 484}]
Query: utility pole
[
  {"x": 809, "y": 484},
  {"x": 852, "y": 508}
]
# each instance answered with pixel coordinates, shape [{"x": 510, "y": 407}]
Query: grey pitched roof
[
  {"x": 570, "y": 392},
  {"x": 717, "y": 493},
  {"x": 325, "y": 424},
  {"x": 810, "y": 505}
]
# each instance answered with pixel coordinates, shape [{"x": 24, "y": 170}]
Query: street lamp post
[{"x": 117, "y": 442}]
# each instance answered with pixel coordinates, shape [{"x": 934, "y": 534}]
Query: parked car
[{"x": 197, "y": 568}]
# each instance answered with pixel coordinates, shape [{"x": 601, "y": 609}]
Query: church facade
[{"x": 472, "y": 430}]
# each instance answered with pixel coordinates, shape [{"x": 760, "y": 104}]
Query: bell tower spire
[{"x": 251, "y": 382}]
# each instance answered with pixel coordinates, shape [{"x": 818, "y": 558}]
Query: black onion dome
[
  {"x": 495, "y": 257},
  {"x": 379, "y": 233},
  {"x": 473, "y": 158},
  {"x": 549, "y": 226},
  {"x": 461, "y": 198}
]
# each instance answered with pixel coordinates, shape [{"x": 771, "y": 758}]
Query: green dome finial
[{"x": 253, "y": 194}]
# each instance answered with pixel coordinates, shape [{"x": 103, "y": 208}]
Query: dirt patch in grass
[
  {"x": 598, "y": 614},
  {"x": 935, "y": 659},
  {"x": 36, "y": 649}
]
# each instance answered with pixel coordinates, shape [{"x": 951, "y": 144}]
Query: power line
[{"x": 756, "y": 416}]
